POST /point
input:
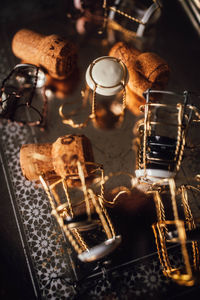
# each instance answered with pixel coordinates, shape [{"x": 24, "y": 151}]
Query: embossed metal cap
[{"x": 108, "y": 75}]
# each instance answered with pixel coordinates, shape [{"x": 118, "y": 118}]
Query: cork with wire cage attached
[{"x": 57, "y": 160}]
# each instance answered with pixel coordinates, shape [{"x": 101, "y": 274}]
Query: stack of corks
[
  {"x": 57, "y": 160},
  {"x": 146, "y": 71},
  {"x": 55, "y": 55}
]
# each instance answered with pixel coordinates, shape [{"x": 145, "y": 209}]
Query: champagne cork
[
  {"x": 35, "y": 160},
  {"x": 152, "y": 67},
  {"x": 67, "y": 151},
  {"x": 54, "y": 54},
  {"x": 124, "y": 52},
  {"x": 146, "y": 70}
]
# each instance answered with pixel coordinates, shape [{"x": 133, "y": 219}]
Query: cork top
[{"x": 108, "y": 74}]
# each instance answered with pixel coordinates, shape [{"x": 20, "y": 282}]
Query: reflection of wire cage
[
  {"x": 162, "y": 136},
  {"x": 94, "y": 215},
  {"x": 17, "y": 92},
  {"x": 184, "y": 233},
  {"x": 138, "y": 18}
]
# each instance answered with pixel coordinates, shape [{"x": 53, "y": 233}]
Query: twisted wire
[
  {"x": 106, "y": 216},
  {"x": 109, "y": 230},
  {"x": 164, "y": 259},
  {"x": 79, "y": 239},
  {"x": 126, "y": 15},
  {"x": 84, "y": 188},
  {"x": 191, "y": 225},
  {"x": 179, "y": 132},
  {"x": 93, "y": 114},
  {"x": 59, "y": 219},
  {"x": 181, "y": 152},
  {"x": 181, "y": 237},
  {"x": 65, "y": 187}
]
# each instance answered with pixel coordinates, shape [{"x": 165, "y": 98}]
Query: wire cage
[
  {"x": 117, "y": 15},
  {"x": 106, "y": 76},
  {"x": 182, "y": 230},
  {"x": 76, "y": 194},
  {"x": 72, "y": 225},
  {"x": 162, "y": 136},
  {"x": 17, "y": 92}
]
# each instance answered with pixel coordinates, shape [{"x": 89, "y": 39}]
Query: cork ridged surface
[
  {"x": 146, "y": 70},
  {"x": 56, "y": 55},
  {"x": 69, "y": 149}
]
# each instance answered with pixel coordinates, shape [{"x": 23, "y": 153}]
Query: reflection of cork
[
  {"x": 35, "y": 160},
  {"x": 56, "y": 55},
  {"x": 146, "y": 70}
]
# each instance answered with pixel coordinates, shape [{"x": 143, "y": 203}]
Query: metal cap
[{"x": 108, "y": 74}]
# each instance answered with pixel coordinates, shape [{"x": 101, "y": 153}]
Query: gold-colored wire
[
  {"x": 191, "y": 225},
  {"x": 159, "y": 207},
  {"x": 59, "y": 219},
  {"x": 84, "y": 189},
  {"x": 165, "y": 256},
  {"x": 159, "y": 251},
  {"x": 126, "y": 15},
  {"x": 107, "y": 225},
  {"x": 181, "y": 233},
  {"x": 69, "y": 203},
  {"x": 187, "y": 211},
  {"x": 124, "y": 191},
  {"x": 146, "y": 112},
  {"x": 94, "y": 105},
  {"x": 79, "y": 239}
]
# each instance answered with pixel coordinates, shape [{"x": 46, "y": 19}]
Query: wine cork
[
  {"x": 35, "y": 160},
  {"x": 56, "y": 55},
  {"x": 152, "y": 67},
  {"x": 146, "y": 70},
  {"x": 67, "y": 151},
  {"x": 124, "y": 52}
]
